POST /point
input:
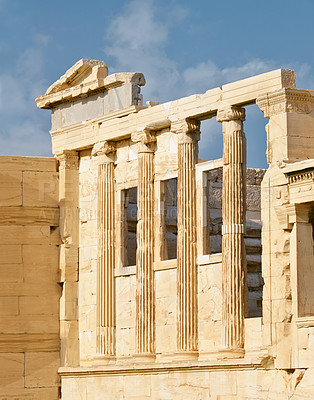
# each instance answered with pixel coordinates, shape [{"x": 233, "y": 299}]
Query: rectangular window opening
[
  {"x": 130, "y": 207},
  {"x": 171, "y": 219},
  {"x": 214, "y": 211}
]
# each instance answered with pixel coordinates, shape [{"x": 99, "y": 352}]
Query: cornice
[{"x": 86, "y": 77}]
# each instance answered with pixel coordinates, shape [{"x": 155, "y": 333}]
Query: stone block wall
[{"x": 29, "y": 292}]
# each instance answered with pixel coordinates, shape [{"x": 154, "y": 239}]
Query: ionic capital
[
  {"x": 187, "y": 129},
  {"x": 145, "y": 139},
  {"x": 231, "y": 113},
  {"x": 286, "y": 101},
  {"x": 68, "y": 159},
  {"x": 104, "y": 148},
  {"x": 145, "y": 136}
]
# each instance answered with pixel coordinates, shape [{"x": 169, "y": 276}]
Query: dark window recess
[
  {"x": 171, "y": 217},
  {"x": 130, "y": 205}
]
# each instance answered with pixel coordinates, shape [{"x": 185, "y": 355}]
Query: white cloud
[
  {"x": 137, "y": 41},
  {"x": 24, "y": 128}
]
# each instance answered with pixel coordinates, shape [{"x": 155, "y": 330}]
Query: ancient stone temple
[{"x": 132, "y": 269}]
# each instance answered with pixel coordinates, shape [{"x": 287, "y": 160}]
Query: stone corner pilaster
[
  {"x": 68, "y": 159},
  {"x": 286, "y": 101}
]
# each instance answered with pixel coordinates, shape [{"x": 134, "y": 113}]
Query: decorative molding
[
  {"x": 252, "y": 363},
  {"x": 303, "y": 176},
  {"x": 68, "y": 159},
  {"x": 286, "y": 101},
  {"x": 288, "y": 214},
  {"x": 85, "y": 78},
  {"x": 305, "y": 322},
  {"x": 232, "y": 113}
]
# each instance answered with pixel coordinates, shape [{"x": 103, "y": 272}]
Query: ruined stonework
[{"x": 176, "y": 278}]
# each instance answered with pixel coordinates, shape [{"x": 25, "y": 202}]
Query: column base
[
  {"x": 104, "y": 360},
  {"x": 231, "y": 353},
  {"x": 144, "y": 357},
  {"x": 185, "y": 356}
]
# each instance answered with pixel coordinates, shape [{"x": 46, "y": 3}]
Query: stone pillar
[
  {"x": 187, "y": 320},
  {"x": 290, "y": 138},
  {"x": 106, "y": 315},
  {"x": 145, "y": 313},
  {"x": 68, "y": 200},
  {"x": 286, "y": 110},
  {"x": 233, "y": 216}
]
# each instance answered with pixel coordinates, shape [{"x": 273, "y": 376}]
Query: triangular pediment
[{"x": 80, "y": 73}]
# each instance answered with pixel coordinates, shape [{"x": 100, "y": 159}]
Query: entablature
[{"x": 120, "y": 124}]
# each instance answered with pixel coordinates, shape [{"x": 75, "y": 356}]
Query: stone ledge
[
  {"x": 165, "y": 264},
  {"x": 305, "y": 322},
  {"x": 170, "y": 264},
  {"x": 155, "y": 368},
  {"x": 215, "y": 258}
]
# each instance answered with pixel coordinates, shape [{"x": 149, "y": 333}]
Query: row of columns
[{"x": 233, "y": 264}]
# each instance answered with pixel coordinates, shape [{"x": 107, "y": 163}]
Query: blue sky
[{"x": 182, "y": 47}]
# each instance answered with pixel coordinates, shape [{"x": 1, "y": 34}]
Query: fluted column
[
  {"x": 106, "y": 313},
  {"x": 145, "y": 313},
  {"x": 233, "y": 215},
  {"x": 187, "y": 316}
]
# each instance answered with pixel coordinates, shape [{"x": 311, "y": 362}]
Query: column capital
[
  {"x": 230, "y": 113},
  {"x": 145, "y": 139},
  {"x": 68, "y": 159},
  {"x": 144, "y": 136},
  {"x": 104, "y": 148},
  {"x": 286, "y": 101},
  {"x": 186, "y": 126},
  {"x": 187, "y": 129}
]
